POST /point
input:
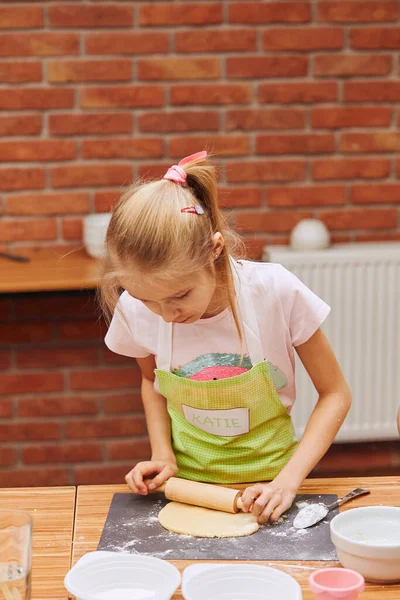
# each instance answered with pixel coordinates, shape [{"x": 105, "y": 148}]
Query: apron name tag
[{"x": 226, "y": 423}]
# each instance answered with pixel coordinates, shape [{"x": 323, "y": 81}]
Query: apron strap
[{"x": 248, "y": 321}]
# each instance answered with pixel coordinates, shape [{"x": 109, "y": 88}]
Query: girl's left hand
[{"x": 268, "y": 501}]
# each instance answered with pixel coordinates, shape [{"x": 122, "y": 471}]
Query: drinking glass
[{"x": 15, "y": 555}]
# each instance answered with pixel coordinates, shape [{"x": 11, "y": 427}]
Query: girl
[{"x": 214, "y": 338}]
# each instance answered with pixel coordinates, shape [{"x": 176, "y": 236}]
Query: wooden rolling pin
[{"x": 201, "y": 494}]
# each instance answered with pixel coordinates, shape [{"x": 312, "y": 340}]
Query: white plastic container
[
  {"x": 238, "y": 582},
  {"x": 119, "y": 576},
  {"x": 94, "y": 233},
  {"x": 367, "y": 540}
]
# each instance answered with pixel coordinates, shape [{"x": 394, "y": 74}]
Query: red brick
[
  {"x": 82, "y": 330},
  {"x": 72, "y": 229},
  {"x": 379, "y": 141},
  {"x": 350, "y": 168},
  {"x": 184, "y": 121},
  {"x": 105, "y": 379},
  {"x": 398, "y": 168},
  {"x": 24, "y": 383},
  {"x": 266, "y": 66},
  {"x": 89, "y": 70},
  {"x": 48, "y": 358},
  {"x": 123, "y": 403},
  {"x": 101, "y": 474},
  {"x": 216, "y": 40},
  {"x": 307, "y": 39},
  {"x": 8, "y": 457},
  {"x": 36, "y": 98},
  {"x": 21, "y": 125},
  {"x": 20, "y": 72},
  {"x": 5, "y": 360},
  {"x": 359, "y": 219},
  {"x": 86, "y": 124},
  {"x": 39, "y": 44},
  {"x": 153, "y": 171},
  {"x": 127, "y": 43},
  {"x": 21, "y": 179},
  {"x": 306, "y": 195},
  {"x": 377, "y": 237},
  {"x": 266, "y": 170},
  {"x": 239, "y": 197},
  {"x": 265, "y": 118},
  {"x": 104, "y": 201},
  {"x": 67, "y": 453},
  {"x": 18, "y": 230},
  {"x": 159, "y": 14},
  {"x": 373, "y": 91},
  {"x": 279, "y": 222},
  {"x": 58, "y": 406},
  {"x": 123, "y": 148},
  {"x": 129, "y": 450},
  {"x": 378, "y": 38},
  {"x": 21, "y": 17},
  {"x": 215, "y": 94},
  {"x": 105, "y": 428},
  {"x": 356, "y": 12},
  {"x": 384, "y": 193},
  {"x": 333, "y": 117},
  {"x": 178, "y": 68},
  {"x": 135, "y": 96},
  {"x": 34, "y": 477},
  {"x": 48, "y": 204},
  {"x": 6, "y": 408},
  {"x": 223, "y": 145},
  {"x": 91, "y": 174},
  {"x": 306, "y": 92},
  {"x": 111, "y": 358},
  {"x": 328, "y": 65},
  {"x": 54, "y": 306},
  {"x": 255, "y": 246},
  {"x": 302, "y": 143},
  {"x": 37, "y": 151},
  {"x": 271, "y": 12},
  {"x": 100, "y": 15}
]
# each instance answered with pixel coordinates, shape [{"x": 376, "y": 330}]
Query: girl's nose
[{"x": 169, "y": 314}]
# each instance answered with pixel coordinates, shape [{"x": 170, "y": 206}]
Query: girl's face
[{"x": 181, "y": 300}]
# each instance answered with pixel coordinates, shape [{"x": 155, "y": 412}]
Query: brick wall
[{"x": 298, "y": 100}]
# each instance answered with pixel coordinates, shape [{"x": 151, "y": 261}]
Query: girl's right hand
[{"x": 158, "y": 470}]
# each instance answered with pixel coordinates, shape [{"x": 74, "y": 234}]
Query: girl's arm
[
  {"x": 324, "y": 423},
  {"x": 163, "y": 462}
]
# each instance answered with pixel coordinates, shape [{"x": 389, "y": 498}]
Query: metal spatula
[{"x": 314, "y": 513}]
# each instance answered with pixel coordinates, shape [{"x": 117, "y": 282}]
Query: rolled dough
[{"x": 204, "y": 522}]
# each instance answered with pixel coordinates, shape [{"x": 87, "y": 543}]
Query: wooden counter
[
  {"x": 93, "y": 503},
  {"x": 52, "y": 510},
  {"x": 49, "y": 270}
]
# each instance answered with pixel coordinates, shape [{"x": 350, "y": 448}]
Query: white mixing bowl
[
  {"x": 238, "y": 582},
  {"x": 367, "y": 540},
  {"x": 119, "y": 576}
]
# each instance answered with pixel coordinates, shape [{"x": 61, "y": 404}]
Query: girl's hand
[
  {"x": 268, "y": 501},
  {"x": 159, "y": 470}
]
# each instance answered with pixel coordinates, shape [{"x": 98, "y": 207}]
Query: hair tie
[{"x": 176, "y": 172}]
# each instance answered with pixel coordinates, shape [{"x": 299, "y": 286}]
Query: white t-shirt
[{"x": 288, "y": 314}]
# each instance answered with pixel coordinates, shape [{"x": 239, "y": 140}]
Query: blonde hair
[{"x": 148, "y": 230}]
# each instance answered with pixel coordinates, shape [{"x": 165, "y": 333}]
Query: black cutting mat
[{"x": 132, "y": 526}]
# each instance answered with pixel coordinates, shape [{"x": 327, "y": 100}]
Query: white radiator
[{"x": 361, "y": 282}]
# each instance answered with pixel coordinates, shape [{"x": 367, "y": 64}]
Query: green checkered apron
[{"x": 232, "y": 430}]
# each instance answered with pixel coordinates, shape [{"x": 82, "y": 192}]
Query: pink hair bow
[{"x": 176, "y": 172}]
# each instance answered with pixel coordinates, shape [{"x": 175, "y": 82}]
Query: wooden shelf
[{"x": 49, "y": 270}]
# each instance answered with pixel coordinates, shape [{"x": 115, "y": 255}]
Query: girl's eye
[{"x": 183, "y": 296}]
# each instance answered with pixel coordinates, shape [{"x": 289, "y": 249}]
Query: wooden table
[
  {"x": 49, "y": 270},
  {"x": 53, "y": 511},
  {"x": 93, "y": 503}
]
